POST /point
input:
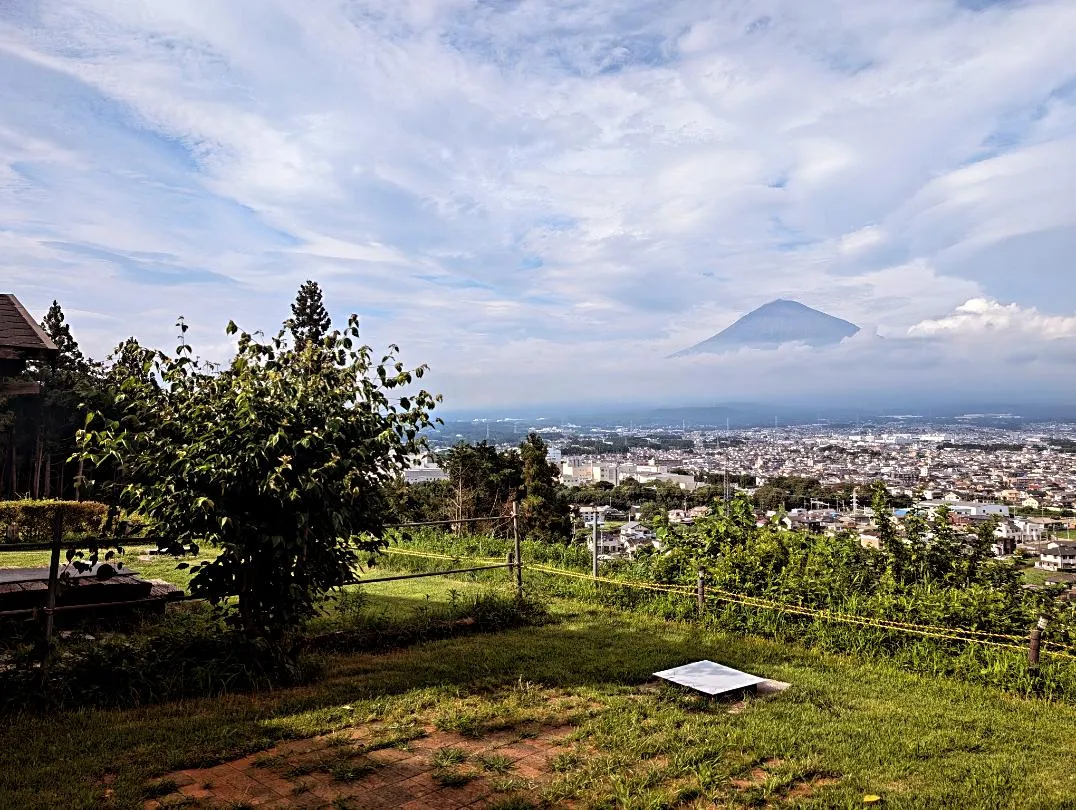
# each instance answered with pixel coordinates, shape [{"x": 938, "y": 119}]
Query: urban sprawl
[{"x": 1023, "y": 477}]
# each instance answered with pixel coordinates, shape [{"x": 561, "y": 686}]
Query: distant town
[{"x": 1021, "y": 475}]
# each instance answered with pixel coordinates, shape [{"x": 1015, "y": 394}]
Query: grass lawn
[
  {"x": 1067, "y": 535},
  {"x": 844, "y": 729},
  {"x": 1035, "y": 576},
  {"x": 149, "y": 566}
]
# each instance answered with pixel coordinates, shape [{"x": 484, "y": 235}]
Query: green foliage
[
  {"x": 544, "y": 512},
  {"x": 278, "y": 458},
  {"x": 482, "y": 482},
  {"x": 945, "y": 581},
  {"x": 56, "y": 327},
  {"x": 481, "y": 612},
  {"x": 309, "y": 322},
  {"x": 188, "y": 654},
  {"x": 663, "y": 495},
  {"x": 42, "y": 428},
  {"x": 28, "y": 521}
]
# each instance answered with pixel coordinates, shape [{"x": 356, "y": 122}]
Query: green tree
[
  {"x": 889, "y": 537},
  {"x": 483, "y": 483},
  {"x": 544, "y": 513},
  {"x": 43, "y": 427},
  {"x": 56, "y": 327},
  {"x": 280, "y": 467},
  {"x": 309, "y": 321}
]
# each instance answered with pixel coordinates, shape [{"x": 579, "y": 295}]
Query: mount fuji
[{"x": 775, "y": 324}]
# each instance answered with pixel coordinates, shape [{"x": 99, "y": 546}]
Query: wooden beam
[{"x": 19, "y": 389}]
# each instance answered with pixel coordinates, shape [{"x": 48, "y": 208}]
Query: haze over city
[{"x": 544, "y": 201}]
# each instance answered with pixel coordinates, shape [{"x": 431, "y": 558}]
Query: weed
[
  {"x": 268, "y": 761},
  {"x": 300, "y": 770},
  {"x": 452, "y": 778},
  {"x": 564, "y": 762},
  {"x": 495, "y": 763},
  {"x": 162, "y": 787},
  {"x": 463, "y": 723},
  {"x": 513, "y": 803},
  {"x": 300, "y": 788},
  {"x": 351, "y": 771},
  {"x": 447, "y": 757}
]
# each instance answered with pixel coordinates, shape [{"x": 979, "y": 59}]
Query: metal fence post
[
  {"x": 594, "y": 556},
  {"x": 516, "y": 550},
  {"x": 54, "y": 578},
  {"x": 1034, "y": 643},
  {"x": 700, "y": 592}
]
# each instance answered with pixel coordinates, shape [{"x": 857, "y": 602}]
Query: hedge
[{"x": 29, "y": 521}]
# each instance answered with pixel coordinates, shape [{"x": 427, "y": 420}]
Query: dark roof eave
[{"x": 33, "y": 344}]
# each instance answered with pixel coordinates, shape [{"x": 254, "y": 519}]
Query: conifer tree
[
  {"x": 545, "y": 513},
  {"x": 309, "y": 320},
  {"x": 59, "y": 331}
]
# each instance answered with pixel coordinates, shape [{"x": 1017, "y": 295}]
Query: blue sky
[{"x": 545, "y": 199}]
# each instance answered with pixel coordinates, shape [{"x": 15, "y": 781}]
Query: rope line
[
  {"x": 929, "y": 631},
  {"x": 428, "y": 555},
  {"x": 948, "y": 633}
]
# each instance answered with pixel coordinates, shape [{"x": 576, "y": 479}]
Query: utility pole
[
  {"x": 594, "y": 556},
  {"x": 726, "y": 460}
]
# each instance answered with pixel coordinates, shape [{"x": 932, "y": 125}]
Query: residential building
[{"x": 1058, "y": 557}]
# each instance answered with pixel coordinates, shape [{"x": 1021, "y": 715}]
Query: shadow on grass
[{"x": 834, "y": 701}]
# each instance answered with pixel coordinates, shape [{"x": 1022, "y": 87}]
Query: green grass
[
  {"x": 154, "y": 567},
  {"x": 1067, "y": 535},
  {"x": 844, "y": 729},
  {"x": 1035, "y": 576}
]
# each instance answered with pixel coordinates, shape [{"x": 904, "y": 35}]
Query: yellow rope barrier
[
  {"x": 432, "y": 556},
  {"x": 929, "y": 631}
]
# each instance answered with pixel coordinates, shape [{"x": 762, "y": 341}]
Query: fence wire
[{"x": 999, "y": 640}]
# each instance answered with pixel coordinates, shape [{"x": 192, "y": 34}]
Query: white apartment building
[
  {"x": 1058, "y": 557},
  {"x": 969, "y": 508}
]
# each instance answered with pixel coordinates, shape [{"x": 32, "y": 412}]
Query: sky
[{"x": 543, "y": 200}]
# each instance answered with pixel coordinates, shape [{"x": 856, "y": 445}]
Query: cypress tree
[{"x": 309, "y": 320}]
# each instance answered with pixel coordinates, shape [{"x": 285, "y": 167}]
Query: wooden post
[
  {"x": 1035, "y": 642},
  {"x": 54, "y": 578},
  {"x": 516, "y": 550},
  {"x": 700, "y": 593}
]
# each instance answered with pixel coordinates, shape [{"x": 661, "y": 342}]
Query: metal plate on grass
[{"x": 709, "y": 678}]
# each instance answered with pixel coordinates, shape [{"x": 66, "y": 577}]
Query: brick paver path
[{"x": 353, "y": 771}]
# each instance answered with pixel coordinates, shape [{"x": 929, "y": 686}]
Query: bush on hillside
[{"x": 30, "y": 521}]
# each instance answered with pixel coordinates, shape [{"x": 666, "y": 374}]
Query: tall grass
[{"x": 980, "y": 663}]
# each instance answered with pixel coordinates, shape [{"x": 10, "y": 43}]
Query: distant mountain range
[{"x": 774, "y": 324}]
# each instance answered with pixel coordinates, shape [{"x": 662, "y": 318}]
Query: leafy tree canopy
[{"x": 279, "y": 458}]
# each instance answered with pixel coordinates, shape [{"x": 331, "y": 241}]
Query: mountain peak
[{"x": 773, "y": 324}]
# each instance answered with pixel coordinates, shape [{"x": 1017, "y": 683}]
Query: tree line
[{"x": 484, "y": 483}]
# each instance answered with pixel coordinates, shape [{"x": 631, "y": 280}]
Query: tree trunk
[
  {"x": 48, "y": 475},
  {"x": 35, "y": 476}
]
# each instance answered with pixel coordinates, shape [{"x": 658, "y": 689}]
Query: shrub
[
  {"x": 186, "y": 653},
  {"x": 28, "y": 521}
]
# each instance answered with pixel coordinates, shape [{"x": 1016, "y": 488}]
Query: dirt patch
[{"x": 373, "y": 767}]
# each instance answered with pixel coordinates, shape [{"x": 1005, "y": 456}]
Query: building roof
[{"x": 20, "y": 333}]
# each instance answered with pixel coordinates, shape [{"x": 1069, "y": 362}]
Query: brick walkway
[{"x": 366, "y": 769}]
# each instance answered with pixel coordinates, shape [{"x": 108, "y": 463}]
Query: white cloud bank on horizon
[
  {"x": 985, "y": 316},
  {"x": 535, "y": 197}
]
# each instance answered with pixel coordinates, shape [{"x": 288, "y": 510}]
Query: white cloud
[
  {"x": 524, "y": 185},
  {"x": 984, "y": 316}
]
